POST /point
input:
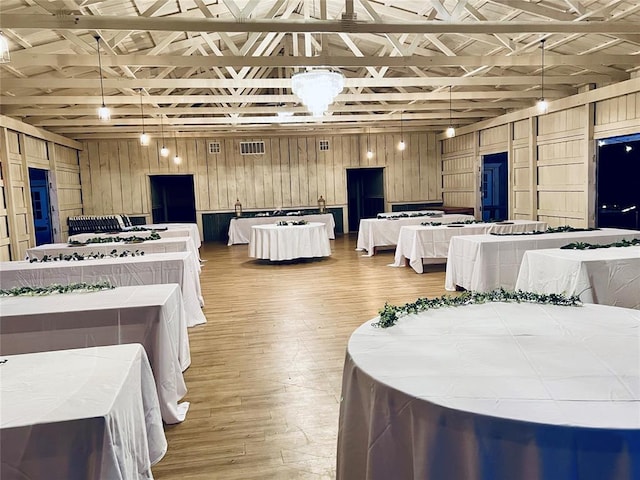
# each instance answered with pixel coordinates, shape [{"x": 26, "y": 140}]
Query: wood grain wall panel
[
  {"x": 494, "y": 139},
  {"x": 521, "y": 130}
]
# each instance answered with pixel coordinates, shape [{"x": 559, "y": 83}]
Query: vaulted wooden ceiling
[{"x": 206, "y": 67}]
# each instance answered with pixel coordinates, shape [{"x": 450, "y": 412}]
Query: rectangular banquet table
[
  {"x": 152, "y": 315},
  {"x": 608, "y": 276},
  {"x": 487, "y": 262},
  {"x": 177, "y": 230},
  {"x": 384, "y": 232},
  {"x": 240, "y": 228},
  {"x": 86, "y": 414},
  {"x": 278, "y": 242},
  {"x": 160, "y": 268},
  {"x": 498, "y": 391},
  {"x": 418, "y": 242}
]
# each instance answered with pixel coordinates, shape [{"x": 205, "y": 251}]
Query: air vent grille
[
  {"x": 252, "y": 148},
  {"x": 214, "y": 148}
]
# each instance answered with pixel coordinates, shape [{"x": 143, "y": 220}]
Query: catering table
[
  {"x": 498, "y": 391},
  {"x": 487, "y": 262},
  {"x": 410, "y": 213},
  {"x": 418, "y": 242},
  {"x": 152, "y": 315},
  {"x": 276, "y": 242},
  {"x": 608, "y": 276},
  {"x": 86, "y": 414},
  {"x": 240, "y": 228},
  {"x": 159, "y": 268},
  {"x": 384, "y": 232},
  {"x": 178, "y": 230}
]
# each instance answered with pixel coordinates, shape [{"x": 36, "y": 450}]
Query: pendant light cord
[
  {"x": 141, "y": 111},
  {"x": 450, "y": 123},
  {"x": 100, "y": 67},
  {"x": 542, "y": 70}
]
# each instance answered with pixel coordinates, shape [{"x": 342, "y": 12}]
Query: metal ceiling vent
[
  {"x": 323, "y": 145},
  {"x": 214, "y": 147},
  {"x": 252, "y": 148}
]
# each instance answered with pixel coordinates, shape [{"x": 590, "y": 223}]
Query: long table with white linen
[
  {"x": 608, "y": 276},
  {"x": 86, "y": 414},
  {"x": 152, "y": 315},
  {"x": 278, "y": 242},
  {"x": 419, "y": 242},
  {"x": 487, "y": 262},
  {"x": 160, "y": 268},
  {"x": 498, "y": 391},
  {"x": 178, "y": 229},
  {"x": 384, "y": 232},
  {"x": 240, "y": 228}
]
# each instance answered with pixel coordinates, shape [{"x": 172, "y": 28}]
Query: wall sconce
[
  {"x": 322, "y": 204},
  {"x": 238, "y": 207}
]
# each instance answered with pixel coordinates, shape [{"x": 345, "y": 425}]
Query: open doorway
[
  {"x": 618, "y": 182},
  {"x": 172, "y": 199},
  {"x": 495, "y": 186},
  {"x": 41, "y": 205},
  {"x": 365, "y": 192}
]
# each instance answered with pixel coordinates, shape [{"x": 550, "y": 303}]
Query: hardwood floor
[{"x": 265, "y": 378}]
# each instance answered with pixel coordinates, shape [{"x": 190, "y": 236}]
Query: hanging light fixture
[
  {"x": 5, "y": 57},
  {"x": 369, "y": 152},
  {"x": 144, "y": 138},
  {"x": 542, "y": 104},
  {"x": 401, "y": 144},
  {"x": 176, "y": 160},
  {"x": 164, "y": 151},
  {"x": 451, "y": 132},
  {"x": 317, "y": 89},
  {"x": 104, "y": 113}
]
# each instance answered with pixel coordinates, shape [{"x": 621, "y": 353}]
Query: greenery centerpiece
[
  {"x": 593, "y": 246},
  {"x": 561, "y": 229},
  {"x": 55, "y": 289}
]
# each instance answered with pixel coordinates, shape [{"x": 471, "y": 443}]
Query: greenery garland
[
  {"x": 593, "y": 246},
  {"x": 389, "y": 314},
  {"x": 55, "y": 288},
  {"x": 89, "y": 256},
  {"x": 132, "y": 239},
  {"x": 146, "y": 229},
  {"x": 562, "y": 229},
  {"x": 453, "y": 224},
  {"x": 409, "y": 215},
  {"x": 284, "y": 223}
]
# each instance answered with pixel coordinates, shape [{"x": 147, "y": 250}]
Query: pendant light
[
  {"x": 451, "y": 132},
  {"x": 164, "y": 151},
  {"x": 401, "y": 144},
  {"x": 104, "y": 113},
  {"x": 144, "y": 138},
  {"x": 542, "y": 104},
  {"x": 369, "y": 152},
  {"x": 5, "y": 56},
  {"x": 176, "y": 160}
]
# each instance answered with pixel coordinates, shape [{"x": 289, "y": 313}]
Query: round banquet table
[
  {"x": 499, "y": 391},
  {"x": 288, "y": 242}
]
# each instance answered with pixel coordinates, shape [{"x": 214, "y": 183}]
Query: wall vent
[
  {"x": 252, "y": 148},
  {"x": 323, "y": 145},
  {"x": 214, "y": 147}
]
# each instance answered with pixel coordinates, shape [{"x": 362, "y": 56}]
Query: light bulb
[
  {"x": 164, "y": 151},
  {"x": 401, "y": 145},
  {"x": 542, "y": 106},
  {"x": 177, "y": 160},
  {"x": 144, "y": 139},
  {"x": 104, "y": 113},
  {"x": 451, "y": 132},
  {"x": 369, "y": 154}
]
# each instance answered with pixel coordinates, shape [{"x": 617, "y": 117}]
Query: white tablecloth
[
  {"x": 380, "y": 232},
  {"x": 240, "y": 228},
  {"x": 152, "y": 315},
  {"x": 608, "y": 276},
  {"x": 417, "y": 242},
  {"x": 275, "y": 243},
  {"x": 88, "y": 414},
  {"x": 160, "y": 268},
  {"x": 494, "y": 392},
  {"x": 487, "y": 262}
]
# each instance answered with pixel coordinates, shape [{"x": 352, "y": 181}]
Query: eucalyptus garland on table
[
  {"x": 73, "y": 257},
  {"x": 146, "y": 229},
  {"x": 592, "y": 246},
  {"x": 409, "y": 215},
  {"x": 55, "y": 289},
  {"x": 296, "y": 222},
  {"x": 389, "y": 314},
  {"x": 453, "y": 224},
  {"x": 132, "y": 239},
  {"x": 562, "y": 229}
]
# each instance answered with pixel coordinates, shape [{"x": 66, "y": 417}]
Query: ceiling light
[
  {"x": 176, "y": 160},
  {"x": 401, "y": 144},
  {"x": 542, "y": 104},
  {"x": 104, "y": 113},
  {"x": 450, "y": 132},
  {"x": 144, "y": 138},
  {"x": 628, "y": 148},
  {"x": 5, "y": 57},
  {"x": 369, "y": 151},
  {"x": 164, "y": 151},
  {"x": 317, "y": 89}
]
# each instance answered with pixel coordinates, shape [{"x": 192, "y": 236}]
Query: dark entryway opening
[
  {"x": 41, "y": 205},
  {"x": 365, "y": 192},
  {"x": 172, "y": 199},
  {"x": 495, "y": 186}
]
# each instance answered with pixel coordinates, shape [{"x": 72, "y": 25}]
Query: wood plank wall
[{"x": 292, "y": 173}]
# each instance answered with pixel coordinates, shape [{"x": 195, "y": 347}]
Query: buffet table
[
  {"x": 152, "y": 315},
  {"x": 384, "y": 232},
  {"x": 160, "y": 268},
  {"x": 487, "y": 262},
  {"x": 240, "y": 228},
  {"x": 89, "y": 414},
  {"x": 608, "y": 276},
  {"x": 417, "y": 242},
  {"x": 499, "y": 391},
  {"x": 277, "y": 243}
]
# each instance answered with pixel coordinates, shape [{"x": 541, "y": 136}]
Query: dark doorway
[
  {"x": 172, "y": 199},
  {"x": 618, "y": 182},
  {"x": 495, "y": 185},
  {"x": 365, "y": 191},
  {"x": 39, "y": 185}
]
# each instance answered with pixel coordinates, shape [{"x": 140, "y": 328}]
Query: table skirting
[
  {"x": 494, "y": 392},
  {"x": 87, "y": 414},
  {"x": 240, "y": 228},
  {"x": 608, "y": 276},
  {"x": 276, "y": 243},
  {"x": 487, "y": 262},
  {"x": 154, "y": 269},
  {"x": 151, "y": 315}
]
